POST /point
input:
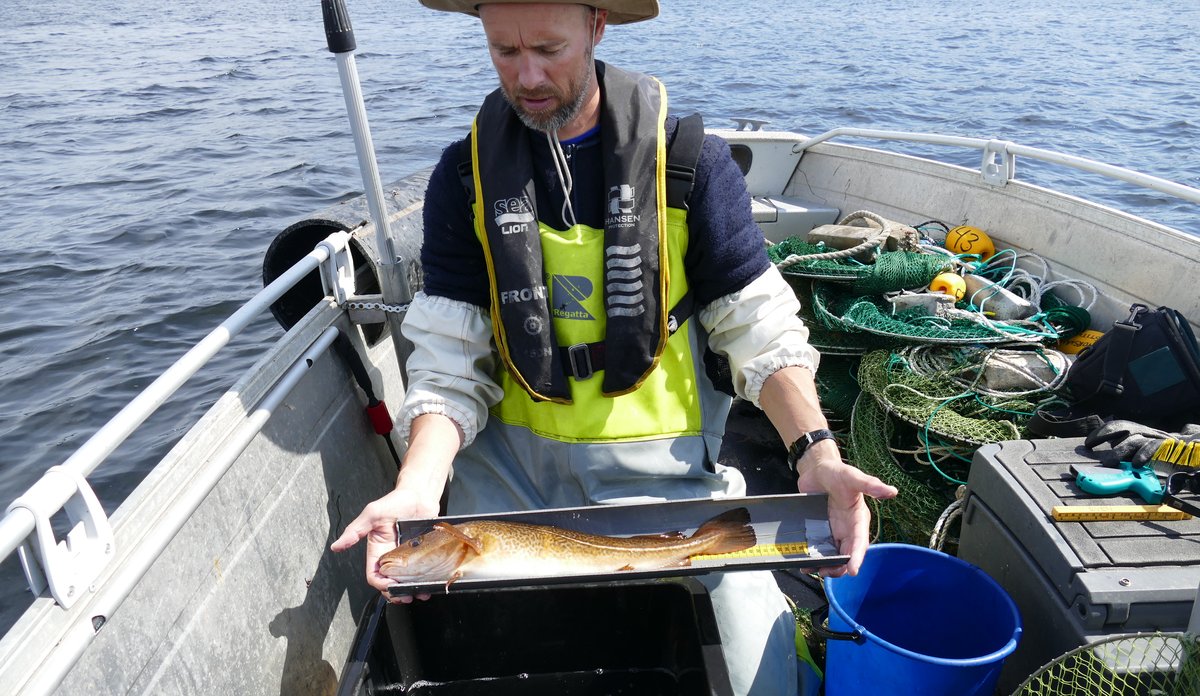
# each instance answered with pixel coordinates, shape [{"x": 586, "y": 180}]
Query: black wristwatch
[{"x": 802, "y": 443}]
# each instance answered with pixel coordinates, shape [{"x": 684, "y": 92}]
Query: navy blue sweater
[{"x": 725, "y": 248}]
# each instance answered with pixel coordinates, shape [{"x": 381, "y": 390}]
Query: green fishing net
[
  {"x": 903, "y": 370},
  {"x": 834, "y": 337},
  {"x": 839, "y": 310},
  {"x": 938, "y": 405},
  {"x": 911, "y": 515},
  {"x": 837, "y": 386},
  {"x": 890, "y": 270},
  {"x": 1166, "y": 664}
]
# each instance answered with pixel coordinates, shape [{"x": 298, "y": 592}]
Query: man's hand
[
  {"x": 378, "y": 524},
  {"x": 823, "y": 471},
  {"x": 432, "y": 444},
  {"x": 789, "y": 398}
]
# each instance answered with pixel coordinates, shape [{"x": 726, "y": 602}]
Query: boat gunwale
[
  {"x": 44, "y": 624},
  {"x": 1101, "y": 235}
]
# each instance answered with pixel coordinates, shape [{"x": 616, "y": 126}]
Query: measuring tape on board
[{"x": 795, "y": 548}]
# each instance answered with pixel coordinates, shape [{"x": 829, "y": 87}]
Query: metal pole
[
  {"x": 392, "y": 282},
  {"x": 1187, "y": 193}
]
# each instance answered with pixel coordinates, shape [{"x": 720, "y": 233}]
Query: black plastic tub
[{"x": 655, "y": 637}]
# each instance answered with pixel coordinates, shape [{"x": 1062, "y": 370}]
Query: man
[{"x": 557, "y": 362}]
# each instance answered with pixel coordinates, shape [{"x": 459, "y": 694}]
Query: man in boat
[{"x": 570, "y": 298}]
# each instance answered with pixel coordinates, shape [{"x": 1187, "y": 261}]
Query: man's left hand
[{"x": 823, "y": 471}]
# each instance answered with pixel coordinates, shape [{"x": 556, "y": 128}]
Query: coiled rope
[{"x": 866, "y": 245}]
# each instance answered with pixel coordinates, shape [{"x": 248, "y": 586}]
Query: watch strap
[{"x": 802, "y": 443}]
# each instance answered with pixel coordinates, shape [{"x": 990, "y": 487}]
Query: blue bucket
[{"x": 917, "y": 621}]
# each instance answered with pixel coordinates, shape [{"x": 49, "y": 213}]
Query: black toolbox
[{"x": 1073, "y": 582}]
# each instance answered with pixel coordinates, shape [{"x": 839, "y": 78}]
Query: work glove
[{"x": 1138, "y": 444}]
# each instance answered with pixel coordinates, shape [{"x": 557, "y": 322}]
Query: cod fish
[{"x": 489, "y": 549}]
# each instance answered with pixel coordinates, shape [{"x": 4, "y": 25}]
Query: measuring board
[{"x": 792, "y": 531}]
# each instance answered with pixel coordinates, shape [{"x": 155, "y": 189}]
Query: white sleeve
[
  {"x": 451, "y": 366},
  {"x": 757, "y": 330}
]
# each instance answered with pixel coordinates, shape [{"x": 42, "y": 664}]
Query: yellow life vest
[
  {"x": 557, "y": 302},
  {"x": 665, "y": 404}
]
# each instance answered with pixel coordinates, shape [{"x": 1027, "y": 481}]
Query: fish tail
[{"x": 732, "y": 531}]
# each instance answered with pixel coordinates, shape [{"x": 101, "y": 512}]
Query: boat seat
[{"x": 781, "y": 217}]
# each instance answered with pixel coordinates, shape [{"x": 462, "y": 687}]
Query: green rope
[{"x": 928, "y": 452}]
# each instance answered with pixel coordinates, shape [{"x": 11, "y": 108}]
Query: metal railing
[
  {"x": 999, "y": 158},
  {"x": 54, "y": 490},
  {"x": 108, "y": 598}
]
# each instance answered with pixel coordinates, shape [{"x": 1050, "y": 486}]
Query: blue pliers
[
  {"x": 1141, "y": 480},
  {"x": 1109, "y": 480}
]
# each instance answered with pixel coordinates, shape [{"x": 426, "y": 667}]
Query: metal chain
[{"x": 394, "y": 309}]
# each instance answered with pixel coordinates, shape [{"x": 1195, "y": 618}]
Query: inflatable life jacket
[{"x": 496, "y": 159}]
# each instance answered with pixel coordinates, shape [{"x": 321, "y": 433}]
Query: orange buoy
[
  {"x": 965, "y": 239},
  {"x": 951, "y": 284}
]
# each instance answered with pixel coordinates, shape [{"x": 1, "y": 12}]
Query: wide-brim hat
[{"x": 619, "y": 11}]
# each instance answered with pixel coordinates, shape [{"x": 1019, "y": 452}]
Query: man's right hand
[
  {"x": 377, "y": 523},
  {"x": 433, "y": 442}
]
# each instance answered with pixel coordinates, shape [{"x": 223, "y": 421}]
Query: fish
[{"x": 492, "y": 549}]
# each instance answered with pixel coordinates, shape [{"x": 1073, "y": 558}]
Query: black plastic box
[
  {"x": 654, "y": 637},
  {"x": 1073, "y": 582}
]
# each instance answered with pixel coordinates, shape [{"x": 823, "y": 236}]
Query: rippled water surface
[{"x": 149, "y": 152}]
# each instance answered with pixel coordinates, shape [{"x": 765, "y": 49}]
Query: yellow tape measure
[
  {"x": 1116, "y": 513},
  {"x": 795, "y": 548}
]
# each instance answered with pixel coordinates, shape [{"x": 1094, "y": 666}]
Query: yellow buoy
[
  {"x": 950, "y": 284},
  {"x": 965, "y": 239}
]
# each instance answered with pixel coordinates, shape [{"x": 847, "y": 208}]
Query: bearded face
[
  {"x": 543, "y": 57},
  {"x": 547, "y": 107}
]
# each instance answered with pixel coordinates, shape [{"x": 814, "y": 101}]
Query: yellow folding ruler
[
  {"x": 794, "y": 548},
  {"x": 1116, "y": 513}
]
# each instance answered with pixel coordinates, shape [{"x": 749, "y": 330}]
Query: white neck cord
[{"x": 563, "y": 167}]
